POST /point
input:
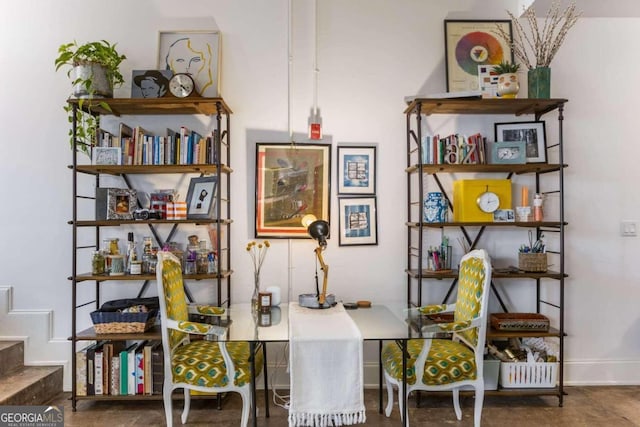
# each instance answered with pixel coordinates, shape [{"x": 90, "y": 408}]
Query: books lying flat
[{"x": 445, "y": 95}]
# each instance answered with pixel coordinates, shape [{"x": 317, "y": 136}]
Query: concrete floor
[{"x": 583, "y": 406}]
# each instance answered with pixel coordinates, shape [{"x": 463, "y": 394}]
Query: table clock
[{"x": 475, "y": 200}]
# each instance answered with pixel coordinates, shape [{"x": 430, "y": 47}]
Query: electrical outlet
[{"x": 628, "y": 228}]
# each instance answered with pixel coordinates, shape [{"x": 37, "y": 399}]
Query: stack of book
[{"x": 120, "y": 368}]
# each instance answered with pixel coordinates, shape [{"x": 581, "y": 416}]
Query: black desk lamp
[{"x": 319, "y": 230}]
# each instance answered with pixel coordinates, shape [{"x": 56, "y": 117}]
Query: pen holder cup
[
  {"x": 440, "y": 260},
  {"x": 532, "y": 262}
]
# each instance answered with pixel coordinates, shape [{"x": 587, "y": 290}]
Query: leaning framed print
[
  {"x": 292, "y": 180},
  {"x": 508, "y": 153},
  {"x": 106, "y": 155},
  {"x": 469, "y": 43},
  {"x": 532, "y": 133},
  {"x": 358, "y": 221},
  {"x": 356, "y": 169},
  {"x": 201, "y": 197},
  {"x": 196, "y": 53}
]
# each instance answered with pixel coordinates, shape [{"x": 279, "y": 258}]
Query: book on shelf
[
  {"x": 124, "y": 369},
  {"x": 98, "y": 366},
  {"x": 114, "y": 379},
  {"x": 81, "y": 371},
  {"x": 148, "y": 378},
  {"x": 139, "y": 368},
  {"x": 91, "y": 370},
  {"x": 157, "y": 367}
]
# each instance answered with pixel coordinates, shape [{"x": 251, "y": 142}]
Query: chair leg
[
  {"x": 187, "y": 405},
  {"x": 389, "y": 408},
  {"x": 245, "y": 394},
  {"x": 168, "y": 403},
  {"x": 456, "y": 403},
  {"x": 477, "y": 410}
]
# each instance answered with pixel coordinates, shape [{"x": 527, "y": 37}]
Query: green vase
[{"x": 539, "y": 82}]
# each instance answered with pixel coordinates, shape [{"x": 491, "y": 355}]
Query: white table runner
[{"x": 325, "y": 357}]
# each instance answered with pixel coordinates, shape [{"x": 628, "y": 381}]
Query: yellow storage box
[{"x": 466, "y": 193}]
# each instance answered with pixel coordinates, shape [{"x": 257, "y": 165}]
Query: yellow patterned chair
[
  {"x": 199, "y": 365},
  {"x": 443, "y": 364}
]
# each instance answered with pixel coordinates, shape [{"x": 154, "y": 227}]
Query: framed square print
[
  {"x": 358, "y": 221},
  {"x": 201, "y": 197},
  {"x": 469, "y": 43},
  {"x": 292, "y": 180},
  {"x": 532, "y": 133},
  {"x": 508, "y": 153},
  {"x": 356, "y": 169},
  {"x": 196, "y": 53}
]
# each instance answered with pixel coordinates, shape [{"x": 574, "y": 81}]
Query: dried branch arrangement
[{"x": 542, "y": 42}]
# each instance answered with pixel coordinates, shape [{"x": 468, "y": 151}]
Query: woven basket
[
  {"x": 112, "y": 322},
  {"x": 519, "y": 322},
  {"x": 532, "y": 262}
]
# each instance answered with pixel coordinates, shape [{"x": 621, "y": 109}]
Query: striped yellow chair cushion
[
  {"x": 447, "y": 362},
  {"x": 201, "y": 363}
]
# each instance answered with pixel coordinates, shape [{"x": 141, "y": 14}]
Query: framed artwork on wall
[
  {"x": 358, "y": 221},
  {"x": 356, "y": 169},
  {"x": 196, "y": 53},
  {"x": 532, "y": 133},
  {"x": 469, "y": 43},
  {"x": 201, "y": 197},
  {"x": 292, "y": 180}
]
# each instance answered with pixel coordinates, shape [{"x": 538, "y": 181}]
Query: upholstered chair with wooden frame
[
  {"x": 448, "y": 364},
  {"x": 200, "y": 365}
]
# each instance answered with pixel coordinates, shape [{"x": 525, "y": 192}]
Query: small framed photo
[
  {"x": 356, "y": 169},
  {"x": 469, "y": 43},
  {"x": 106, "y": 155},
  {"x": 508, "y": 153},
  {"x": 358, "y": 221},
  {"x": 532, "y": 133},
  {"x": 504, "y": 215},
  {"x": 115, "y": 203},
  {"x": 201, "y": 197},
  {"x": 196, "y": 53},
  {"x": 150, "y": 83}
]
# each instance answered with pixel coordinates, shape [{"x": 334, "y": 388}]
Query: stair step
[
  {"x": 31, "y": 385},
  {"x": 11, "y": 356}
]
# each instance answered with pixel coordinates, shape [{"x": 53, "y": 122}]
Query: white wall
[{"x": 370, "y": 55}]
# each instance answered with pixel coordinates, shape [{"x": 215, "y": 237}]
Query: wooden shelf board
[
  {"x": 90, "y": 334},
  {"x": 118, "y": 222},
  {"x": 461, "y": 168},
  {"x": 146, "y": 106},
  {"x": 130, "y": 277},
  {"x": 426, "y": 274},
  {"x": 553, "y": 224},
  {"x": 204, "y": 169},
  {"x": 494, "y": 333},
  {"x": 516, "y": 107}
]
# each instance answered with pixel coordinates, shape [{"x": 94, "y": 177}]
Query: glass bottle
[
  {"x": 191, "y": 256},
  {"x": 146, "y": 255},
  {"x": 537, "y": 207},
  {"x": 131, "y": 254},
  {"x": 97, "y": 263},
  {"x": 202, "y": 259}
]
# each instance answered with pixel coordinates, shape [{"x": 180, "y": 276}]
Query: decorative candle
[{"x": 525, "y": 196}]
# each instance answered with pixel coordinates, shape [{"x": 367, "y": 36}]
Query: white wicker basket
[{"x": 528, "y": 375}]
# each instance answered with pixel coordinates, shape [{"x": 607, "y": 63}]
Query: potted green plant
[
  {"x": 94, "y": 72},
  {"x": 508, "y": 84}
]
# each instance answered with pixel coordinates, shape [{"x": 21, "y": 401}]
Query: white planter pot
[{"x": 508, "y": 85}]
